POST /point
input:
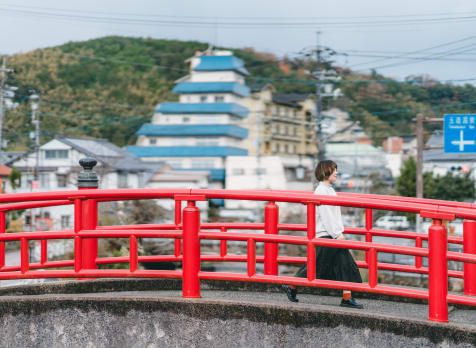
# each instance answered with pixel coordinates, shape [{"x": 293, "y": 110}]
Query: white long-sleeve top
[{"x": 328, "y": 217}]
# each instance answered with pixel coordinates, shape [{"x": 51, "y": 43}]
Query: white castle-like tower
[{"x": 204, "y": 128}]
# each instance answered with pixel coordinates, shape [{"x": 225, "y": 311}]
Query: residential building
[
  {"x": 58, "y": 169},
  {"x": 280, "y": 124},
  {"x": 204, "y": 128}
]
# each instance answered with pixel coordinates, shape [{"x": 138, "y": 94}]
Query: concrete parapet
[{"x": 151, "y": 313}]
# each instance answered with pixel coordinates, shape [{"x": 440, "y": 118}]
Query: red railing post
[
  {"x": 24, "y": 257},
  {"x": 368, "y": 234},
  {"x": 2, "y": 243},
  {"x": 418, "y": 259},
  {"x": 133, "y": 256},
  {"x": 191, "y": 251},
  {"x": 373, "y": 267},
  {"x": 437, "y": 272},
  {"x": 271, "y": 217},
  {"x": 223, "y": 244},
  {"x": 251, "y": 259},
  {"x": 178, "y": 221},
  {"x": 469, "y": 247},
  {"x": 78, "y": 223},
  {"x": 311, "y": 248},
  {"x": 88, "y": 179},
  {"x": 44, "y": 251}
]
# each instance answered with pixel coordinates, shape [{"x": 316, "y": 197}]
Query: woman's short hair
[{"x": 324, "y": 170}]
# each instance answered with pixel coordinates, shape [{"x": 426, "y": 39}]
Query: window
[
  {"x": 203, "y": 99},
  {"x": 203, "y": 163},
  {"x": 44, "y": 180},
  {"x": 61, "y": 180},
  {"x": 207, "y": 143},
  {"x": 294, "y": 131},
  {"x": 122, "y": 180},
  {"x": 65, "y": 221},
  {"x": 186, "y": 120},
  {"x": 50, "y": 154},
  {"x": 153, "y": 141},
  {"x": 286, "y": 130},
  {"x": 286, "y": 148},
  {"x": 238, "y": 171},
  {"x": 260, "y": 171},
  {"x": 175, "y": 164},
  {"x": 276, "y": 129},
  {"x": 219, "y": 99}
]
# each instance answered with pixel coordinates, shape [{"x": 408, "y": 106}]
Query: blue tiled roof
[
  {"x": 185, "y": 151},
  {"x": 193, "y": 130},
  {"x": 215, "y": 174},
  {"x": 212, "y": 87},
  {"x": 202, "y": 108},
  {"x": 219, "y": 63}
]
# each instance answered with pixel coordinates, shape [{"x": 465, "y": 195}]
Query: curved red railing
[{"x": 187, "y": 231}]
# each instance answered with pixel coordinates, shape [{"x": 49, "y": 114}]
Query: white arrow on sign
[{"x": 461, "y": 142}]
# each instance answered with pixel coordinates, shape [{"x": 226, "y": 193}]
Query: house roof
[
  {"x": 4, "y": 170},
  {"x": 186, "y": 151},
  {"x": 111, "y": 155},
  {"x": 439, "y": 155},
  {"x": 212, "y": 87},
  {"x": 202, "y": 108},
  {"x": 291, "y": 99},
  {"x": 193, "y": 130},
  {"x": 221, "y": 63}
]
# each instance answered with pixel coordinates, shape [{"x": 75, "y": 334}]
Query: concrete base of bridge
[{"x": 151, "y": 313}]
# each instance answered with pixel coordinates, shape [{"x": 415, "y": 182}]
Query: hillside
[{"x": 108, "y": 87}]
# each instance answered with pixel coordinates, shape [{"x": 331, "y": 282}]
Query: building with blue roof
[{"x": 203, "y": 129}]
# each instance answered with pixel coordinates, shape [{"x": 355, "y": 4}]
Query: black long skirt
[{"x": 333, "y": 264}]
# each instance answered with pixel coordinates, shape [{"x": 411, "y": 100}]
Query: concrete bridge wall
[{"x": 51, "y": 315}]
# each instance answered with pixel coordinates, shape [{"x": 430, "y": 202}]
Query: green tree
[{"x": 448, "y": 187}]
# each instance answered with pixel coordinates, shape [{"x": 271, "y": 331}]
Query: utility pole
[
  {"x": 419, "y": 164},
  {"x": 320, "y": 142},
  {"x": 35, "y": 119},
  {"x": 3, "y": 78}
]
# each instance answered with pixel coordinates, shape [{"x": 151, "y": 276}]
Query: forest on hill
[{"x": 108, "y": 87}]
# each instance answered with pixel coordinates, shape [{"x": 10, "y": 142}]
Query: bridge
[{"x": 188, "y": 231}]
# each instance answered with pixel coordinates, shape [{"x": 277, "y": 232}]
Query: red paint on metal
[
  {"x": 24, "y": 258},
  {"x": 469, "y": 247},
  {"x": 311, "y": 234},
  {"x": 418, "y": 259},
  {"x": 191, "y": 251},
  {"x": 133, "y": 256},
  {"x": 271, "y": 216},
  {"x": 437, "y": 273},
  {"x": 373, "y": 267},
  {"x": 223, "y": 244},
  {"x": 251, "y": 257},
  {"x": 44, "y": 251}
]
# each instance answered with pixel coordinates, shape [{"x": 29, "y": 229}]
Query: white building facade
[{"x": 204, "y": 128}]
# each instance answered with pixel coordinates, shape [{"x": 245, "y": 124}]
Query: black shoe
[
  {"x": 351, "y": 303},
  {"x": 291, "y": 293}
]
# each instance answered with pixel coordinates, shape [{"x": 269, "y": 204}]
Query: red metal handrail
[{"x": 187, "y": 231}]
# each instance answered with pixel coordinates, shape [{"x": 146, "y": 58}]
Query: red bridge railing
[{"x": 187, "y": 231}]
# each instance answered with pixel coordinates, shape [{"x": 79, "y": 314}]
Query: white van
[{"x": 389, "y": 222}]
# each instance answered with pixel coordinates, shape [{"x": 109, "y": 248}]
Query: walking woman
[{"x": 331, "y": 263}]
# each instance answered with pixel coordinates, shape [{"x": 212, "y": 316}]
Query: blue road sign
[{"x": 460, "y": 133}]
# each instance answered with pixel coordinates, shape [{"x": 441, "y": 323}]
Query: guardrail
[{"x": 187, "y": 231}]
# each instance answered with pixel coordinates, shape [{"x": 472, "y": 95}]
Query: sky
[{"x": 397, "y": 38}]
